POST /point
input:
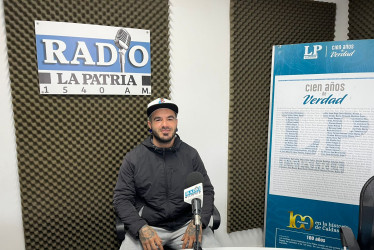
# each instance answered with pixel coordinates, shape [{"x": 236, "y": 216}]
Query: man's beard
[{"x": 156, "y": 135}]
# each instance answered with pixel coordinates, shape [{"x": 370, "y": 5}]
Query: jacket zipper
[{"x": 167, "y": 181}]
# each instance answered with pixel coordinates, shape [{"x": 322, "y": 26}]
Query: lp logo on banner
[{"x": 314, "y": 54}]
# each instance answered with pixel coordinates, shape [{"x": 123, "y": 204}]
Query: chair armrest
[
  {"x": 348, "y": 239},
  {"x": 216, "y": 216},
  {"x": 120, "y": 230}
]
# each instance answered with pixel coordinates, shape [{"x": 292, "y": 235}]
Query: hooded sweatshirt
[{"x": 151, "y": 183}]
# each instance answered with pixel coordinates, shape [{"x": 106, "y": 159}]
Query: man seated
[{"x": 148, "y": 196}]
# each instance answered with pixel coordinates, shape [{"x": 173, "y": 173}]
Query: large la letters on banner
[
  {"x": 321, "y": 139},
  {"x": 88, "y": 59}
]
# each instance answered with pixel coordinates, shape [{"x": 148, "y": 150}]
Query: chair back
[{"x": 365, "y": 237}]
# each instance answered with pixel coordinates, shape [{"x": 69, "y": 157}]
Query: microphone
[
  {"x": 122, "y": 40},
  {"x": 193, "y": 194}
]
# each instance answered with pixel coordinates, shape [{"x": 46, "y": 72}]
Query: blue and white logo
[
  {"x": 92, "y": 59},
  {"x": 192, "y": 192},
  {"x": 312, "y": 53}
]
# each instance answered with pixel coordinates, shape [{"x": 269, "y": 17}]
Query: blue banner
[{"x": 320, "y": 141}]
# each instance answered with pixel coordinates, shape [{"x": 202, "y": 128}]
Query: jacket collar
[{"x": 149, "y": 144}]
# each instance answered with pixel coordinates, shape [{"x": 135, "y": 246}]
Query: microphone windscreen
[
  {"x": 194, "y": 178},
  {"x": 122, "y": 39}
]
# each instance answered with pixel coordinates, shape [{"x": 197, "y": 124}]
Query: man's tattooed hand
[
  {"x": 149, "y": 238},
  {"x": 189, "y": 236}
]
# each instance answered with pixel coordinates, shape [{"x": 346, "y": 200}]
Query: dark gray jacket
[{"x": 153, "y": 179}]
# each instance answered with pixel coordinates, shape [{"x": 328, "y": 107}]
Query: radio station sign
[{"x": 84, "y": 59}]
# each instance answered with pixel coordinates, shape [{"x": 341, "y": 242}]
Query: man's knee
[
  {"x": 209, "y": 240},
  {"x": 129, "y": 243}
]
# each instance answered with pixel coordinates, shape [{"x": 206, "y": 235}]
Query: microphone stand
[
  {"x": 196, "y": 210},
  {"x": 196, "y": 244}
]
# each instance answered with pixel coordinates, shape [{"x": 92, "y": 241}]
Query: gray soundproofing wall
[
  {"x": 256, "y": 26},
  {"x": 70, "y": 148},
  {"x": 361, "y": 19}
]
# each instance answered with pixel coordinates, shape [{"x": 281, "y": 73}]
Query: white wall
[
  {"x": 341, "y": 21},
  {"x": 200, "y": 57},
  {"x": 200, "y": 64},
  {"x": 11, "y": 230},
  {"x": 200, "y": 76}
]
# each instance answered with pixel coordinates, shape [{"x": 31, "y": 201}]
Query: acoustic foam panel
[
  {"x": 70, "y": 148},
  {"x": 361, "y": 19},
  {"x": 255, "y": 27}
]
